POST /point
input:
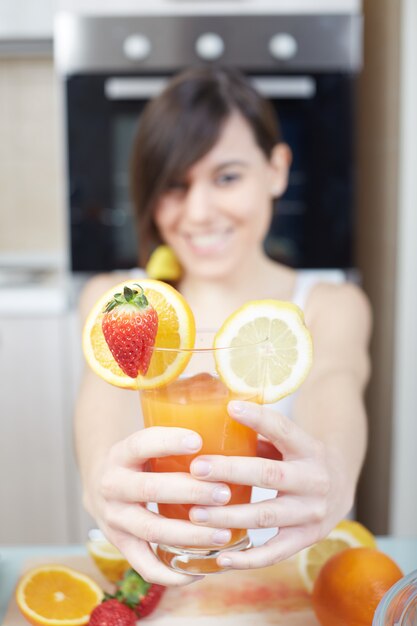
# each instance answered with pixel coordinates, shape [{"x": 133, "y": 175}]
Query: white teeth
[{"x": 205, "y": 241}]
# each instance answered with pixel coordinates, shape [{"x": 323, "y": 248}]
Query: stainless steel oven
[{"x": 306, "y": 63}]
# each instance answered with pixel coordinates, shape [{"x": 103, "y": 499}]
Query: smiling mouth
[{"x": 209, "y": 243}]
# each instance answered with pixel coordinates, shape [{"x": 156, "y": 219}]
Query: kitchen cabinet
[{"x": 38, "y": 496}]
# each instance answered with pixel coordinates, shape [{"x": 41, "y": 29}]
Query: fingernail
[
  {"x": 224, "y": 561},
  {"x": 221, "y": 536},
  {"x": 201, "y": 468},
  {"x": 221, "y": 495},
  {"x": 236, "y": 407},
  {"x": 199, "y": 515},
  {"x": 192, "y": 442}
]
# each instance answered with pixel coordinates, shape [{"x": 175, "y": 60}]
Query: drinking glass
[
  {"x": 398, "y": 607},
  {"x": 198, "y": 400}
]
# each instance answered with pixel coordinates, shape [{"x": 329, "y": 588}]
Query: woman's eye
[{"x": 228, "y": 178}]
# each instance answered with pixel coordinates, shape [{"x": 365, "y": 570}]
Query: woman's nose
[{"x": 197, "y": 204}]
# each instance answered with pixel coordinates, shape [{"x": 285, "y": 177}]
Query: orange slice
[
  {"x": 272, "y": 352},
  {"x": 54, "y": 595},
  {"x": 176, "y": 331},
  {"x": 347, "y": 534}
]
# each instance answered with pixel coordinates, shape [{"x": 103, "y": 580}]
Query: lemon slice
[
  {"x": 281, "y": 353},
  {"x": 109, "y": 560},
  {"x": 176, "y": 331},
  {"x": 347, "y": 534}
]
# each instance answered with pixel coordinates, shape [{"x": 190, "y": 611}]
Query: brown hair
[{"x": 180, "y": 126}]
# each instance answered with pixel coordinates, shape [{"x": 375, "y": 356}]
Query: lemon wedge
[
  {"x": 109, "y": 560},
  {"x": 347, "y": 534},
  {"x": 163, "y": 264}
]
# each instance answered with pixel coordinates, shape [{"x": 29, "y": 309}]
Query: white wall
[{"x": 403, "y": 515}]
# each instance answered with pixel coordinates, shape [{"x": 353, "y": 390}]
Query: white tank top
[{"x": 305, "y": 281}]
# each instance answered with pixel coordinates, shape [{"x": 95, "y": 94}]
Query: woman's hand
[
  {"x": 123, "y": 487},
  {"x": 311, "y": 496}
]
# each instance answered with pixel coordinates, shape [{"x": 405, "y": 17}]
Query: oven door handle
[
  {"x": 143, "y": 88},
  {"x": 285, "y": 87}
]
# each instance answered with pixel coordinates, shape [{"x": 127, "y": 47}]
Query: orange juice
[{"x": 200, "y": 404}]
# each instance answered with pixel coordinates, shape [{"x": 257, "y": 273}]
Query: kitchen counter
[
  {"x": 12, "y": 558},
  {"x": 33, "y": 284}
]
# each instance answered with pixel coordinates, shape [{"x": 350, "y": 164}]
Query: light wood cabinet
[
  {"x": 40, "y": 360},
  {"x": 33, "y": 485}
]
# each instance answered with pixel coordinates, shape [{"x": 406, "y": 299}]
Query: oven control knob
[
  {"x": 137, "y": 47},
  {"x": 209, "y": 46},
  {"x": 283, "y": 46}
]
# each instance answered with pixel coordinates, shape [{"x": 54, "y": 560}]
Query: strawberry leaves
[
  {"x": 137, "y": 594},
  {"x": 129, "y": 296}
]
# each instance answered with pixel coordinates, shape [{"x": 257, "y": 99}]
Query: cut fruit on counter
[
  {"x": 282, "y": 353},
  {"x": 347, "y": 534},
  {"x": 109, "y": 560},
  {"x": 176, "y": 330},
  {"x": 142, "y": 597},
  {"x": 55, "y": 595},
  {"x": 350, "y": 586},
  {"x": 113, "y": 613}
]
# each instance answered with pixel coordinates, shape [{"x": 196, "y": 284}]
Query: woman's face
[{"x": 217, "y": 217}]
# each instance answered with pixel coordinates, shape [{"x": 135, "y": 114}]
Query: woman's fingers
[
  {"x": 152, "y": 528},
  {"x": 142, "y": 558},
  {"x": 286, "y": 543},
  {"x": 274, "y": 513},
  {"x": 285, "y": 477},
  {"x": 291, "y": 440},
  {"x": 156, "y": 441},
  {"x": 127, "y": 485}
]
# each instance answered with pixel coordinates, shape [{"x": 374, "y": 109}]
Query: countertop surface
[
  {"x": 33, "y": 284},
  {"x": 12, "y": 559}
]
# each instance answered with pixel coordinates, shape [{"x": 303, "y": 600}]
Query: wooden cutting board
[{"x": 272, "y": 596}]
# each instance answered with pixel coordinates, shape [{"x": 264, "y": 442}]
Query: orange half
[
  {"x": 176, "y": 331},
  {"x": 54, "y": 595}
]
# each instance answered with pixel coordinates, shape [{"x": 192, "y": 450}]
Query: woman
[{"x": 208, "y": 162}]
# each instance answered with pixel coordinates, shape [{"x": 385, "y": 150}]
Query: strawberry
[
  {"x": 112, "y": 613},
  {"x": 149, "y": 602},
  {"x": 141, "y": 596},
  {"x": 129, "y": 326}
]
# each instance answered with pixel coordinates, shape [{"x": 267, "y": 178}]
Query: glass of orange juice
[{"x": 198, "y": 401}]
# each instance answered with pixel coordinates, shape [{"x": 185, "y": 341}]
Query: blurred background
[{"x": 74, "y": 78}]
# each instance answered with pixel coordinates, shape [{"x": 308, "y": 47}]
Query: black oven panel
[{"x": 312, "y": 224}]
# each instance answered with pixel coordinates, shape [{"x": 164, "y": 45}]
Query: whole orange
[{"x": 350, "y": 586}]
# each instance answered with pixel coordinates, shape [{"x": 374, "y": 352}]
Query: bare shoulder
[
  {"x": 340, "y": 320},
  {"x": 340, "y": 305},
  {"x": 96, "y": 287}
]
